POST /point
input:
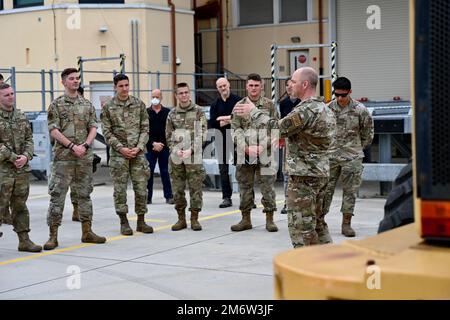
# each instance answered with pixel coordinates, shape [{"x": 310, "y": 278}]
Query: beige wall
[
  {"x": 247, "y": 49},
  {"x": 34, "y": 30}
]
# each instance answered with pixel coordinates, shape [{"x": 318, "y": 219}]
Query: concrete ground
[{"x": 215, "y": 263}]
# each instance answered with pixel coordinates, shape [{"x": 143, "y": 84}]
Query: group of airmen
[{"x": 323, "y": 142}]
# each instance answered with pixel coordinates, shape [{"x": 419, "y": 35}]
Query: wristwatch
[{"x": 86, "y": 146}]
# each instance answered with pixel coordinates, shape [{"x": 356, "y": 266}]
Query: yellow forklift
[{"x": 412, "y": 260}]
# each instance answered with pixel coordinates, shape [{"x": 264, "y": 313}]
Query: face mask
[{"x": 155, "y": 101}]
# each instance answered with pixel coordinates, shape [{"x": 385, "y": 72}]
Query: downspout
[
  {"x": 321, "y": 49},
  {"x": 221, "y": 67},
  {"x": 173, "y": 43}
]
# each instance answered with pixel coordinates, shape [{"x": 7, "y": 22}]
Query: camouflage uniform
[
  {"x": 244, "y": 136},
  {"x": 181, "y": 123},
  {"x": 125, "y": 124},
  {"x": 309, "y": 129},
  {"x": 73, "y": 117},
  {"x": 354, "y": 132},
  {"x": 16, "y": 139}
]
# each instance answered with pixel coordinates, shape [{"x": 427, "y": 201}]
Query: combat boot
[
  {"x": 322, "y": 231},
  {"x": 244, "y": 224},
  {"x": 346, "y": 228},
  {"x": 88, "y": 236},
  {"x": 310, "y": 238},
  {"x": 125, "y": 228},
  {"x": 181, "y": 223},
  {"x": 75, "y": 215},
  {"x": 25, "y": 244},
  {"x": 195, "y": 225},
  {"x": 270, "y": 225},
  {"x": 7, "y": 218},
  {"x": 52, "y": 242},
  {"x": 142, "y": 226}
]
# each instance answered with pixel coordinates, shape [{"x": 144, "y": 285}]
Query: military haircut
[
  {"x": 4, "y": 86},
  {"x": 254, "y": 77},
  {"x": 311, "y": 76},
  {"x": 120, "y": 77},
  {"x": 342, "y": 83},
  {"x": 181, "y": 85},
  {"x": 68, "y": 71}
]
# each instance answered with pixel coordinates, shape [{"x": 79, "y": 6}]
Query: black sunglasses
[{"x": 343, "y": 95}]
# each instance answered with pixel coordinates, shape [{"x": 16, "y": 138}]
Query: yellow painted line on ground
[
  {"x": 147, "y": 220},
  {"x": 38, "y": 197},
  {"x": 85, "y": 245}
]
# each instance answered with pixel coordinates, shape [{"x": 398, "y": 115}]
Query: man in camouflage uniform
[
  {"x": 354, "y": 133},
  {"x": 72, "y": 123},
  {"x": 186, "y": 127},
  {"x": 251, "y": 146},
  {"x": 309, "y": 128},
  {"x": 16, "y": 150},
  {"x": 125, "y": 127}
]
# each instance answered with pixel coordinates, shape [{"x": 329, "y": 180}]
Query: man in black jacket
[
  {"x": 157, "y": 149},
  {"x": 220, "y": 119}
]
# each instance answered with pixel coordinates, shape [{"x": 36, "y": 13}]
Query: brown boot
[
  {"x": 88, "y": 236},
  {"x": 270, "y": 225},
  {"x": 25, "y": 244},
  {"x": 52, "y": 242},
  {"x": 125, "y": 226},
  {"x": 195, "y": 225},
  {"x": 142, "y": 226},
  {"x": 75, "y": 215},
  {"x": 346, "y": 228},
  {"x": 244, "y": 224},
  {"x": 7, "y": 218},
  {"x": 181, "y": 223},
  {"x": 322, "y": 231}
]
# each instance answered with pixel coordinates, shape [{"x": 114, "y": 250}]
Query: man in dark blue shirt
[
  {"x": 286, "y": 106},
  {"x": 220, "y": 119},
  {"x": 157, "y": 149}
]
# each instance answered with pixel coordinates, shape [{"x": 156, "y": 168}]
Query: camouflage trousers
[
  {"x": 138, "y": 171},
  {"x": 78, "y": 176},
  {"x": 194, "y": 174},
  {"x": 245, "y": 176},
  {"x": 350, "y": 173},
  {"x": 304, "y": 203},
  {"x": 14, "y": 190}
]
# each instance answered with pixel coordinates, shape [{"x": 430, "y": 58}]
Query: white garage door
[{"x": 375, "y": 60}]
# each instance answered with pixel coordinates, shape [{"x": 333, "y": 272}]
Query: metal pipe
[
  {"x": 173, "y": 41},
  {"x": 52, "y": 88},
  {"x": 43, "y": 89},
  {"x": 320, "y": 49}
]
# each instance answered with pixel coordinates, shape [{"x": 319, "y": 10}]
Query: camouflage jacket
[
  {"x": 310, "y": 129},
  {"x": 16, "y": 139},
  {"x": 73, "y": 118},
  {"x": 241, "y": 126},
  {"x": 184, "y": 122},
  {"x": 125, "y": 124},
  {"x": 354, "y": 130}
]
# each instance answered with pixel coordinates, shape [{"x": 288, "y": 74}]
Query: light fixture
[
  {"x": 295, "y": 39},
  {"x": 103, "y": 29}
]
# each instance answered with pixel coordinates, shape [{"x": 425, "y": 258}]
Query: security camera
[{"x": 178, "y": 61}]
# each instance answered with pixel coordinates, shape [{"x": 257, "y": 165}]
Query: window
[
  {"x": 256, "y": 12},
  {"x": 101, "y": 2},
  {"x": 293, "y": 10},
  {"x": 253, "y": 12},
  {"x": 27, "y": 3},
  {"x": 165, "y": 54}
]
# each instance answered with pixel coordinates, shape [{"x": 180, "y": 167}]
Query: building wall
[
  {"x": 34, "y": 30},
  {"x": 247, "y": 48}
]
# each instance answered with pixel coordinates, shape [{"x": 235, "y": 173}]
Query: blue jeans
[{"x": 162, "y": 158}]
